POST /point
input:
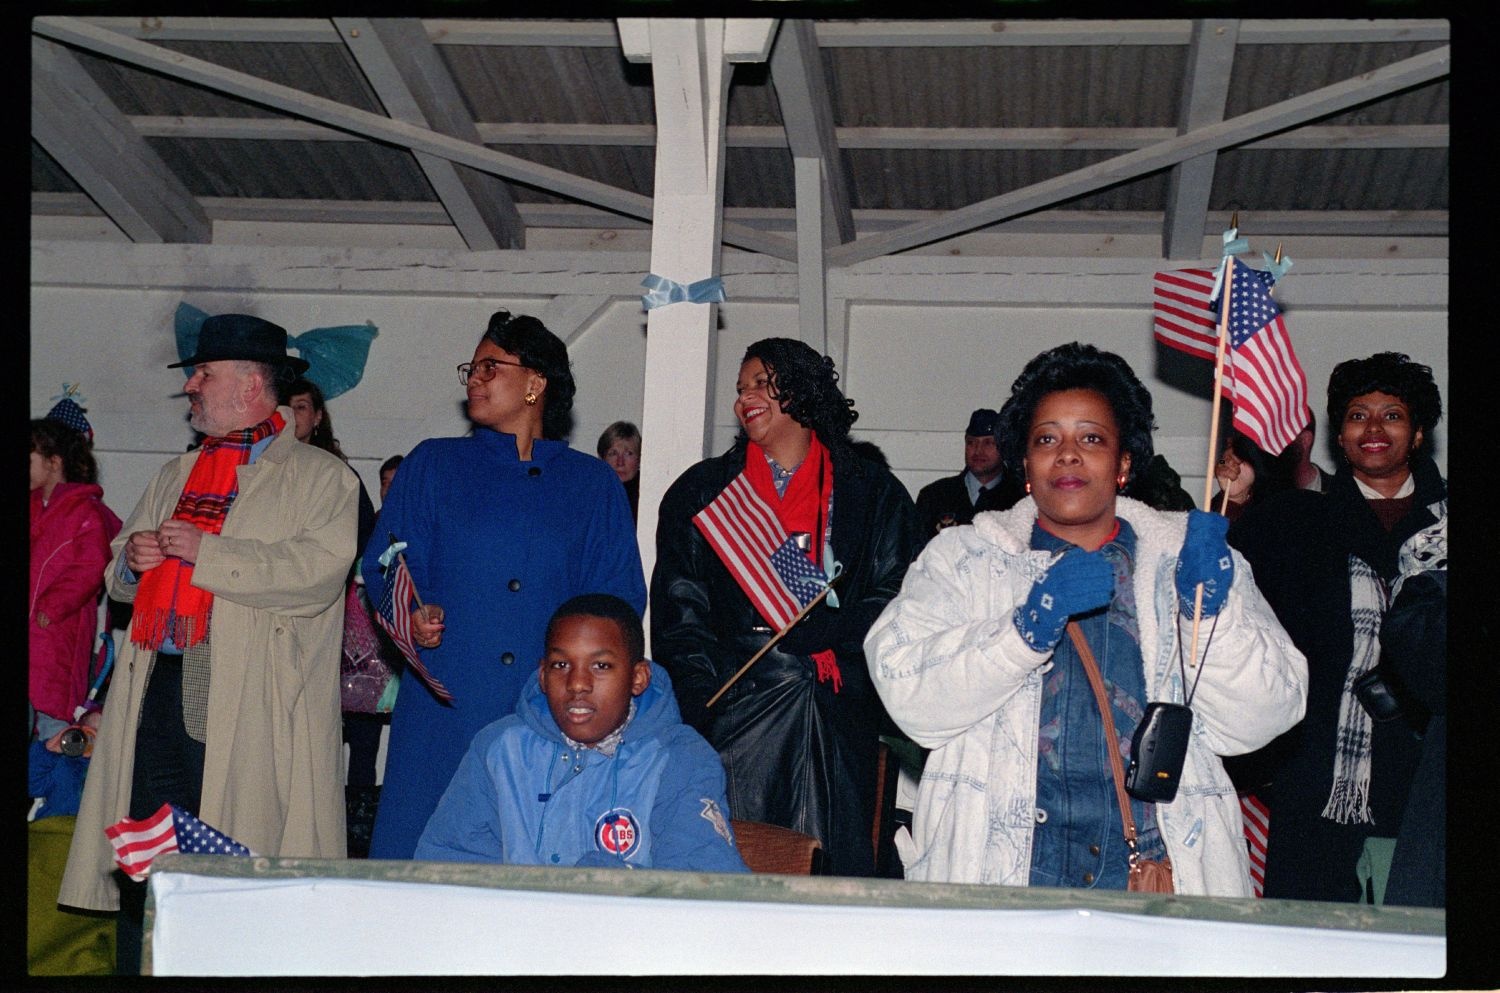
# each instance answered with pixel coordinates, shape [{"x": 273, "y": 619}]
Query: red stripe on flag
[
  {"x": 744, "y": 532},
  {"x": 137, "y": 843},
  {"x": 398, "y": 625},
  {"x": 1257, "y": 819},
  {"x": 1183, "y": 318},
  {"x": 1270, "y": 388}
]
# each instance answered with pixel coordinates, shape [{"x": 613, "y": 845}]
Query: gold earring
[
  {"x": 530, "y": 399},
  {"x": 1028, "y": 487},
  {"x": 1120, "y": 481}
]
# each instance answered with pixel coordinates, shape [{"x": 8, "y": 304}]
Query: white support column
[{"x": 690, "y": 81}]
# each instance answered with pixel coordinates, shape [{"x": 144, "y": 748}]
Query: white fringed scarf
[{"x": 1349, "y": 800}]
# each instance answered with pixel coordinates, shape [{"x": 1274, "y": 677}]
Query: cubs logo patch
[
  {"x": 715, "y": 816},
  {"x": 617, "y": 832}
]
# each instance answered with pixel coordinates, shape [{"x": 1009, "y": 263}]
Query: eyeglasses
[{"x": 483, "y": 370}]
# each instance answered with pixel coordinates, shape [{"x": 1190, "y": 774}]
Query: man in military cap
[
  {"x": 225, "y": 700},
  {"x": 981, "y": 486}
]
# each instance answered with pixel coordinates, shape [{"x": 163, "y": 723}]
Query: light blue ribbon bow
[
  {"x": 1276, "y": 269},
  {"x": 70, "y": 391},
  {"x": 834, "y": 568},
  {"x": 1233, "y": 245},
  {"x": 389, "y": 555},
  {"x": 662, "y": 291}
]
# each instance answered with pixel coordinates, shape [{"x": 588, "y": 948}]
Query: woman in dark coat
[
  {"x": 1326, "y": 562},
  {"x": 799, "y": 732}
]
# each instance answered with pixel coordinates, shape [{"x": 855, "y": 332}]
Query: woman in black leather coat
[{"x": 799, "y": 732}]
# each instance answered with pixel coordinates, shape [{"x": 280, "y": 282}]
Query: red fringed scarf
[
  {"x": 167, "y": 602},
  {"x": 805, "y": 508}
]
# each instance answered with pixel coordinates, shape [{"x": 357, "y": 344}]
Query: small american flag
[
  {"x": 1261, "y": 373},
  {"x": 745, "y": 533},
  {"x": 1257, "y": 818},
  {"x": 170, "y": 829},
  {"x": 394, "y": 615}
]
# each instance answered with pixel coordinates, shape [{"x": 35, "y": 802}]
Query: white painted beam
[
  {"x": 807, "y": 115},
  {"x": 1210, "y": 61},
  {"x": 1334, "y": 283},
  {"x": 906, "y": 34},
  {"x": 414, "y": 85},
  {"x": 1357, "y": 284},
  {"x": 80, "y": 127},
  {"x": 812, "y": 265},
  {"x": 748, "y": 39},
  {"x": 690, "y": 87},
  {"x": 570, "y": 315},
  {"x": 744, "y": 39},
  {"x": 1344, "y": 223},
  {"x": 770, "y": 136},
  {"x": 831, "y": 33},
  {"x": 1327, "y": 100}
]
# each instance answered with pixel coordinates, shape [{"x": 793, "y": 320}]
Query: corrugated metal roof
[{"x": 1012, "y": 115}]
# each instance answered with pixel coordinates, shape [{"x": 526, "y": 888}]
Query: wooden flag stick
[
  {"x": 1213, "y": 435},
  {"x": 414, "y": 594},
  {"x": 768, "y": 645}
]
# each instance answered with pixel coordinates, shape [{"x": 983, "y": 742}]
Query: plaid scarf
[
  {"x": 1349, "y": 801},
  {"x": 166, "y": 602}
]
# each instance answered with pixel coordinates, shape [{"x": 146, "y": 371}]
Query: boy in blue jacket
[{"x": 595, "y": 768}]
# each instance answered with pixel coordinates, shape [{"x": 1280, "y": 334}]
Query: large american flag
[
  {"x": 393, "y": 613},
  {"x": 746, "y": 534},
  {"x": 170, "y": 829},
  {"x": 1262, "y": 376}
]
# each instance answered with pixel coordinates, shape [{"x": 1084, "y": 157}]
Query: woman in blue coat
[{"x": 500, "y": 528}]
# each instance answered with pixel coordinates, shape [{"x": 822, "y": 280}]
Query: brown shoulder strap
[{"x": 1112, "y": 740}]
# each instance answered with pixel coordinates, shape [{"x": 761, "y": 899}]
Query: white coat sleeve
[{"x": 945, "y": 654}]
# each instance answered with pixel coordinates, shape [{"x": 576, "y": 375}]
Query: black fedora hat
[{"x": 243, "y": 337}]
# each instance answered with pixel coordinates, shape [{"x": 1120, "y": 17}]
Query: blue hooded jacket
[{"x": 523, "y": 796}]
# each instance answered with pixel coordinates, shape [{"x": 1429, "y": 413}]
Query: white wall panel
[{"x": 914, "y": 369}]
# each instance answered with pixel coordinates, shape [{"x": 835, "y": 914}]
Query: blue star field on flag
[
  {"x": 1250, "y": 307},
  {"x": 196, "y": 838},
  {"x": 804, "y": 579}
]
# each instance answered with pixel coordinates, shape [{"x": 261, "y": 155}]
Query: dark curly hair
[
  {"x": 543, "y": 352},
  {"x": 805, "y": 384},
  {"x": 1386, "y": 372},
  {"x": 322, "y": 432},
  {"x": 1076, "y": 366},
  {"x": 608, "y": 607},
  {"x": 49, "y": 438}
]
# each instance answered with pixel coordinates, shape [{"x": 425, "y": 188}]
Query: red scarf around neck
[
  {"x": 804, "y": 508},
  {"x": 167, "y": 602}
]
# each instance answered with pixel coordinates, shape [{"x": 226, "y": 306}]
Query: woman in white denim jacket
[{"x": 963, "y": 657}]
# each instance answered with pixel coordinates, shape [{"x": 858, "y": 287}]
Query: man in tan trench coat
[{"x": 233, "y": 712}]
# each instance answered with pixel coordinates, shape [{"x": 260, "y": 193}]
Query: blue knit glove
[
  {"x": 1075, "y": 584},
  {"x": 1204, "y": 559}
]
